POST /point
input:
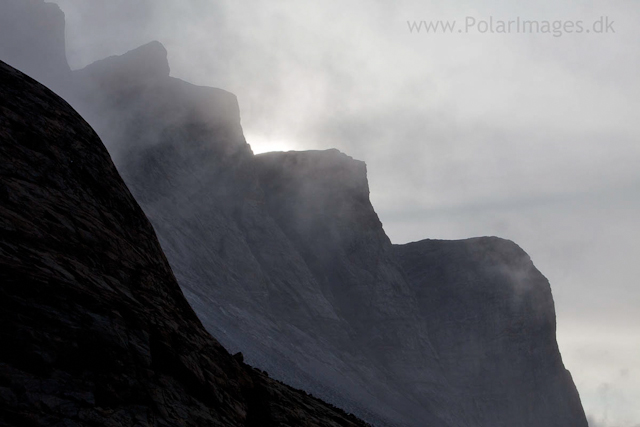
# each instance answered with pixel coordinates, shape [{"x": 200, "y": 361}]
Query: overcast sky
[{"x": 531, "y": 137}]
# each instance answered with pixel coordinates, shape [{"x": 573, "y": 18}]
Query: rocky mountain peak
[
  {"x": 320, "y": 170},
  {"x": 32, "y": 39},
  {"x": 142, "y": 65}
]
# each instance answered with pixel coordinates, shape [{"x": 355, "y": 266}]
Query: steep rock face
[
  {"x": 492, "y": 321},
  {"x": 327, "y": 324},
  {"x": 283, "y": 257},
  {"x": 32, "y": 39},
  {"x": 181, "y": 151},
  {"x": 320, "y": 199},
  {"x": 137, "y": 85},
  {"x": 93, "y": 325}
]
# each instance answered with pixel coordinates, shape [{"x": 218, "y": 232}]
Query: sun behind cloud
[{"x": 264, "y": 144}]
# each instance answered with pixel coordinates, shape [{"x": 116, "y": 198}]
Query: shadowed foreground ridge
[{"x": 94, "y": 329}]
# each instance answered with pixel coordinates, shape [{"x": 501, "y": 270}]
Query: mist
[{"x": 529, "y": 137}]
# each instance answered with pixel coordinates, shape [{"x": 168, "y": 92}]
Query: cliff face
[
  {"x": 33, "y": 39},
  {"x": 94, "y": 327},
  {"x": 282, "y": 257},
  {"x": 320, "y": 200},
  {"x": 181, "y": 151},
  {"x": 492, "y": 322}
]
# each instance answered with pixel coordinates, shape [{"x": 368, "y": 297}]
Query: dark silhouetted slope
[{"x": 93, "y": 325}]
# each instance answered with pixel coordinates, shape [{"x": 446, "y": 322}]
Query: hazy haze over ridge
[{"x": 530, "y": 137}]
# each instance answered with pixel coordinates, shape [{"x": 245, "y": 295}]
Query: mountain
[
  {"x": 33, "y": 39},
  {"x": 94, "y": 328},
  {"x": 492, "y": 322},
  {"x": 181, "y": 151},
  {"x": 282, "y": 257}
]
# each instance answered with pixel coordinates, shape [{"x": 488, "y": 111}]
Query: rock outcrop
[
  {"x": 492, "y": 322},
  {"x": 32, "y": 39},
  {"x": 94, "y": 327}
]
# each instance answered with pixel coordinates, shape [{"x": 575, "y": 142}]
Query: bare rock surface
[
  {"x": 492, "y": 322},
  {"x": 32, "y": 39}
]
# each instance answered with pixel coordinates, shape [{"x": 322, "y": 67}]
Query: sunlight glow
[{"x": 264, "y": 144}]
